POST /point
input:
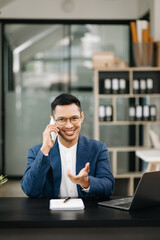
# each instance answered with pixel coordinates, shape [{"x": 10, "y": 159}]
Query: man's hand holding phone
[{"x": 49, "y": 137}]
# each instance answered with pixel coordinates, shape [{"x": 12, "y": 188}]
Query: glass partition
[
  {"x": 40, "y": 62},
  {"x": 39, "y": 75}
]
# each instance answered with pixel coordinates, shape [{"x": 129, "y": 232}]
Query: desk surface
[{"x": 25, "y": 213}]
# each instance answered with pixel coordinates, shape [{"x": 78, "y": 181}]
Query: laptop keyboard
[{"x": 126, "y": 204}]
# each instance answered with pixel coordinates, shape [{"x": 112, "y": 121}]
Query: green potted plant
[{"x": 3, "y": 179}]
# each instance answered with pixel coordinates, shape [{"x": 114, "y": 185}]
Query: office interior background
[{"x": 46, "y": 49}]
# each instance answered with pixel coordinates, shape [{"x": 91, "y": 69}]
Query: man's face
[{"x": 68, "y": 133}]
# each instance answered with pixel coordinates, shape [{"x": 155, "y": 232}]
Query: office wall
[
  {"x": 153, "y": 6},
  {"x": 82, "y": 9},
  {"x": 144, "y": 6},
  {"x": 156, "y": 20}
]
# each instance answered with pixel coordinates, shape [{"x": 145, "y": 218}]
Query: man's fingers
[
  {"x": 69, "y": 174},
  {"x": 87, "y": 167},
  {"x": 71, "y": 177},
  {"x": 81, "y": 176},
  {"x": 52, "y": 128}
]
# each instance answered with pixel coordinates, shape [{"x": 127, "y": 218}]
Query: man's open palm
[{"x": 82, "y": 178}]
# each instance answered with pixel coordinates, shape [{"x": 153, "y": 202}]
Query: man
[{"x": 72, "y": 165}]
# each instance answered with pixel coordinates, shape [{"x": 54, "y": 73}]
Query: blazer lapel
[
  {"x": 55, "y": 162},
  {"x": 82, "y": 158}
]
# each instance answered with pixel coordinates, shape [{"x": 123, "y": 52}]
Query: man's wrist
[
  {"x": 86, "y": 190},
  {"x": 86, "y": 185},
  {"x": 45, "y": 150}
]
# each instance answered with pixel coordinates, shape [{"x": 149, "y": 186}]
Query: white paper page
[
  {"x": 71, "y": 204},
  {"x": 140, "y": 25}
]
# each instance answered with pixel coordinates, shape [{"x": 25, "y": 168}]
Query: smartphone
[{"x": 53, "y": 134}]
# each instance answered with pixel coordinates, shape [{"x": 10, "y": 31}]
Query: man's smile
[{"x": 69, "y": 132}]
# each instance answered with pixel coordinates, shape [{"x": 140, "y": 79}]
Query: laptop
[{"x": 147, "y": 194}]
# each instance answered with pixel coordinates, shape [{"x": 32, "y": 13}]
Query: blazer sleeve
[
  {"x": 101, "y": 181},
  {"x": 34, "y": 177}
]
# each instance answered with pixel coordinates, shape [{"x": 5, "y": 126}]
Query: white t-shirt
[{"x": 68, "y": 161}]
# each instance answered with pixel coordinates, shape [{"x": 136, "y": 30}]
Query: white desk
[{"x": 152, "y": 157}]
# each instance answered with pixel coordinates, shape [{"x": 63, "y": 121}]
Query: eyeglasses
[{"x": 61, "y": 121}]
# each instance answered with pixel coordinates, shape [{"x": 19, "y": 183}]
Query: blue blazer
[{"x": 42, "y": 177}]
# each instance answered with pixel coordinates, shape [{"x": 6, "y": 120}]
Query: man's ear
[{"x": 82, "y": 116}]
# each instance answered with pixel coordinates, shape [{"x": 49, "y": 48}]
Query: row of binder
[
  {"x": 120, "y": 86},
  {"x": 135, "y": 113},
  {"x": 143, "y": 86},
  {"x": 105, "y": 113},
  {"x": 143, "y": 113}
]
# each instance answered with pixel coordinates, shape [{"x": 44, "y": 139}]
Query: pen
[{"x": 65, "y": 200}]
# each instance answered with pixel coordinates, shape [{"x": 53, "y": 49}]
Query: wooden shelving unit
[{"x": 99, "y": 74}]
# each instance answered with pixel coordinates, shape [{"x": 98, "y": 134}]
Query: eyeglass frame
[{"x": 79, "y": 117}]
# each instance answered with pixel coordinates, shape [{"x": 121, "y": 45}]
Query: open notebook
[{"x": 71, "y": 204}]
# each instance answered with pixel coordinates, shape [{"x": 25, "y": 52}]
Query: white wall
[
  {"x": 156, "y": 20},
  {"x": 154, "y": 7},
  {"x": 144, "y": 6},
  {"x": 83, "y": 9}
]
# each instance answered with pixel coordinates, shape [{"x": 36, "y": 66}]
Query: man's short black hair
[{"x": 65, "y": 99}]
